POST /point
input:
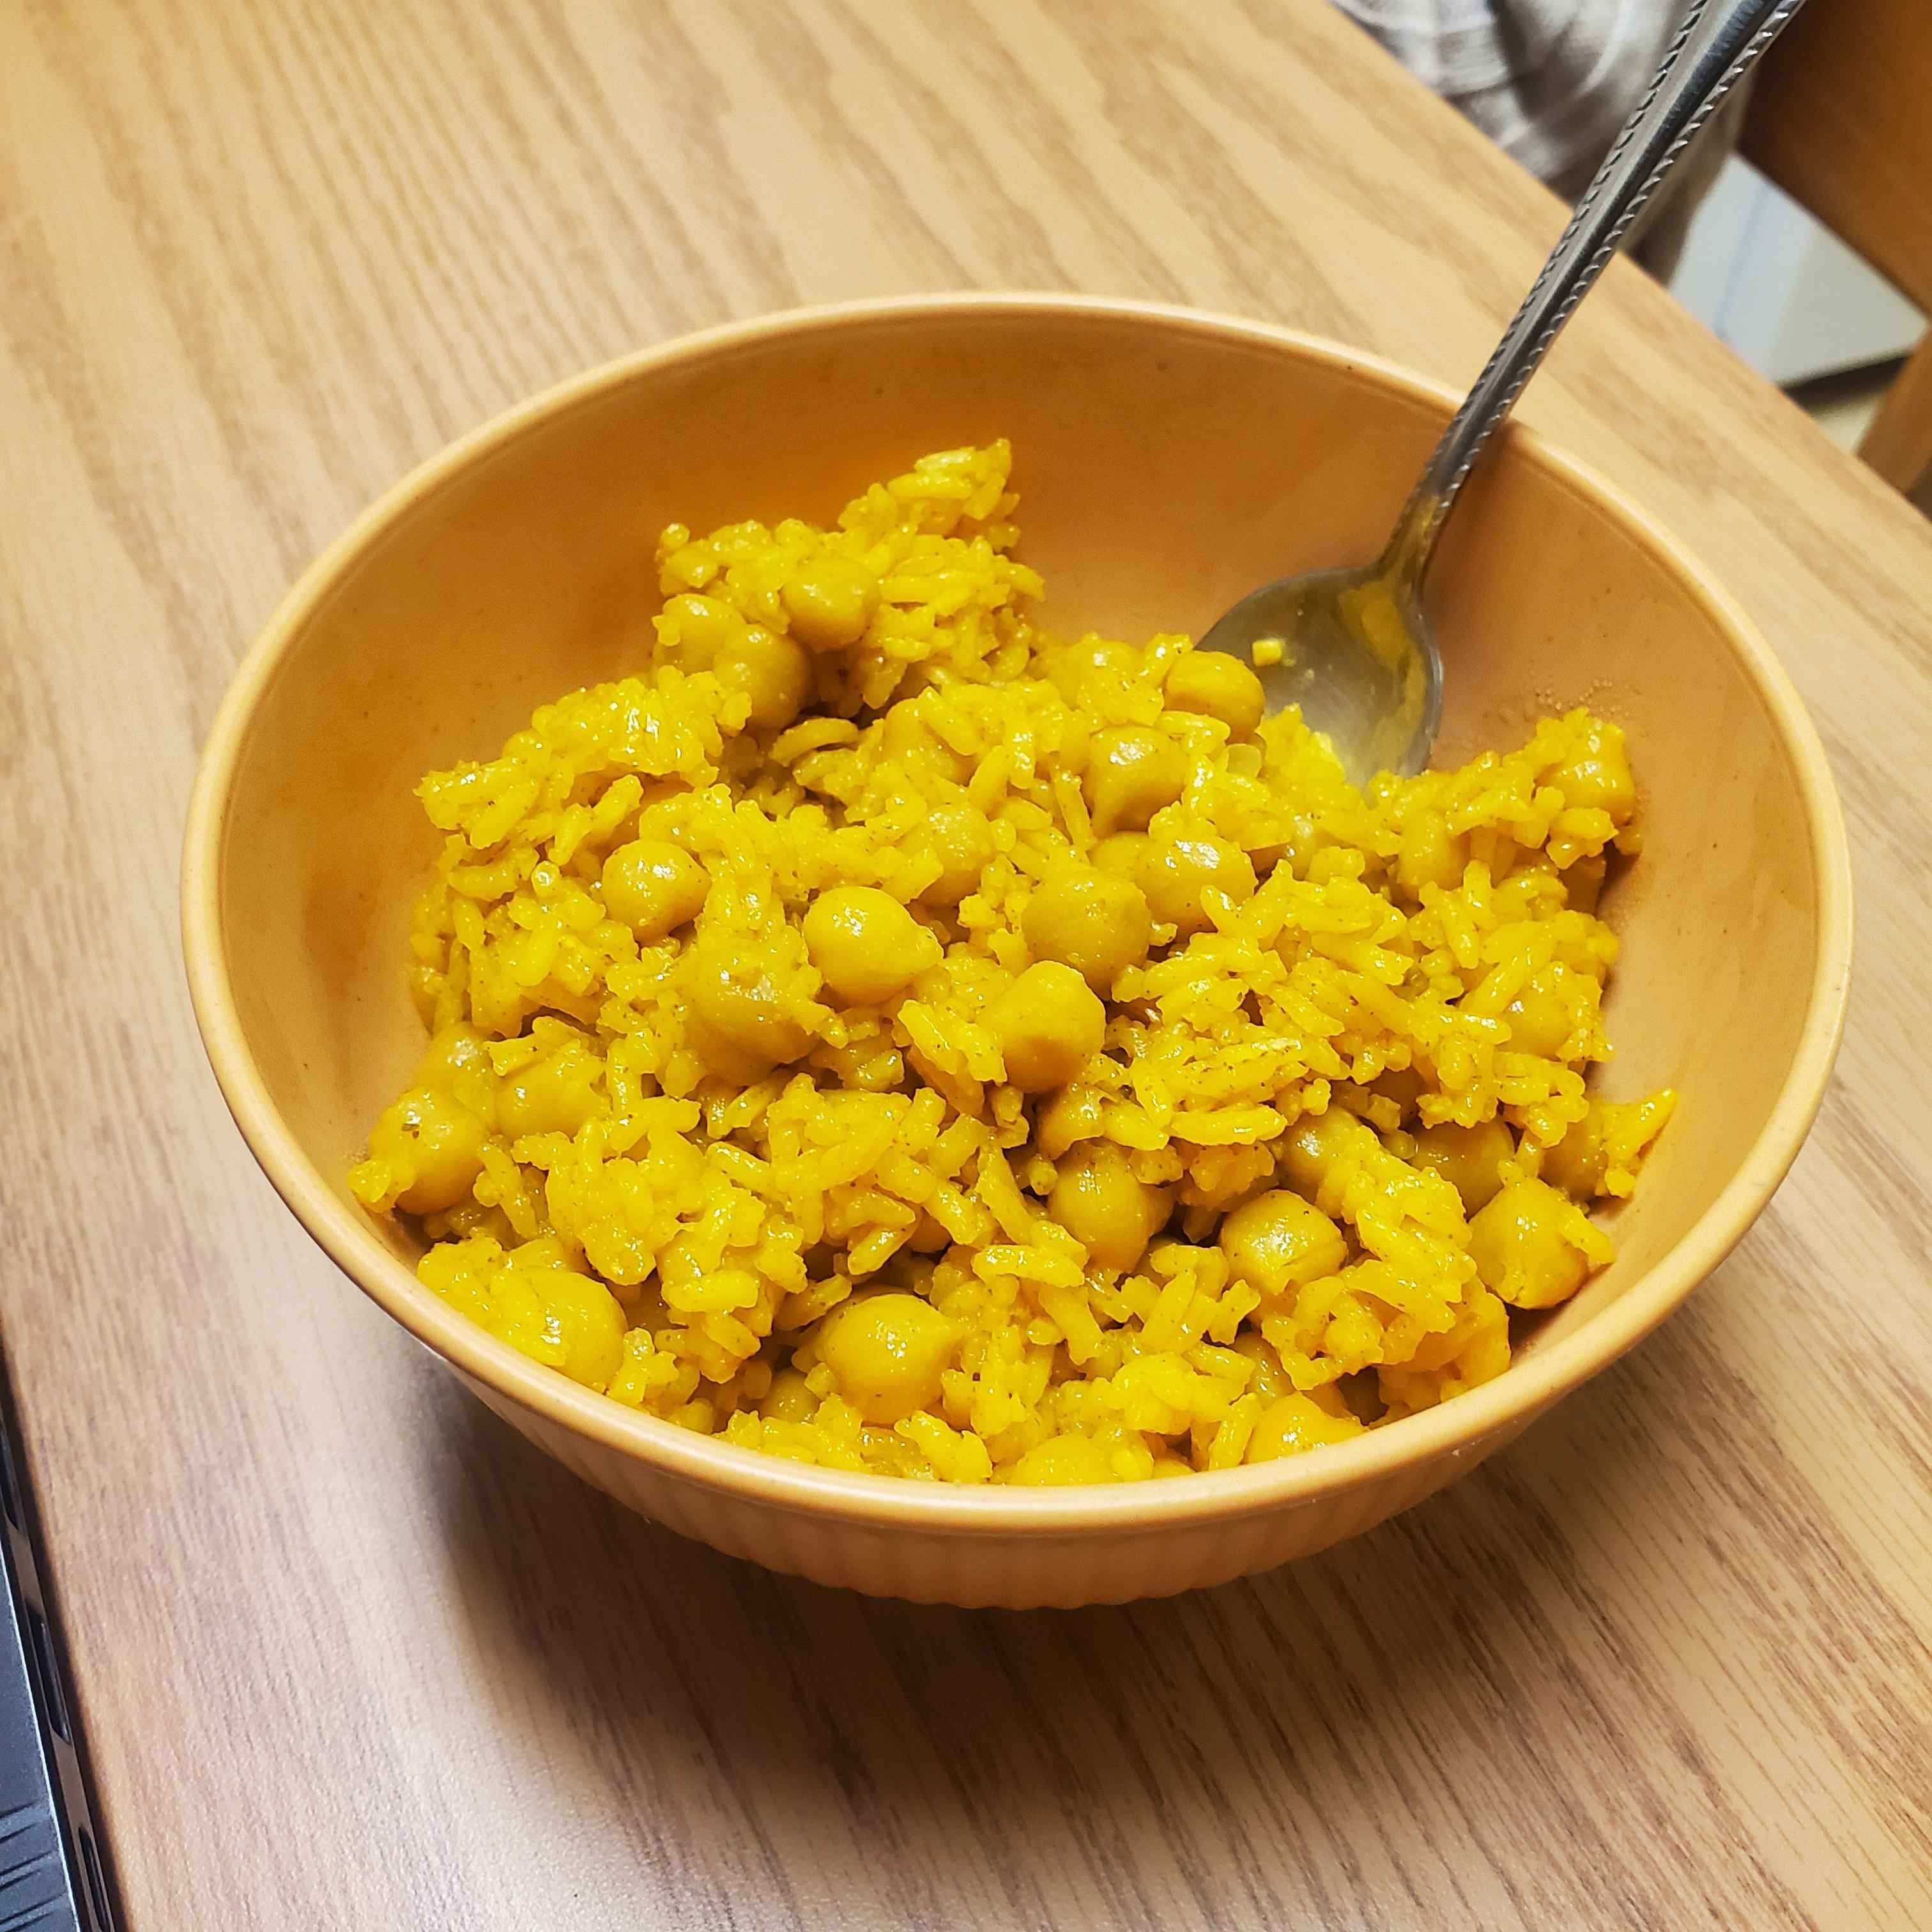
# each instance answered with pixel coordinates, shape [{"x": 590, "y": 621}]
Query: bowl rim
[{"x": 1454, "y": 1432}]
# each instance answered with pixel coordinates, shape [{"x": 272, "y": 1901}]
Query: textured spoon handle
[{"x": 1716, "y": 47}]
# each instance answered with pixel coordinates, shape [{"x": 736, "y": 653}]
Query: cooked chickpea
[
  {"x": 1428, "y": 854},
  {"x": 1293, "y": 1423},
  {"x": 1470, "y": 1159},
  {"x": 1215, "y": 684},
  {"x": 909, "y": 737},
  {"x": 1048, "y": 1023},
  {"x": 772, "y": 670},
  {"x": 697, "y": 628},
  {"x": 960, "y": 838},
  {"x": 865, "y": 944},
  {"x": 740, "y": 1028},
  {"x": 1092, "y": 921},
  {"x": 1543, "y": 1016},
  {"x": 1599, "y": 777},
  {"x": 1404, "y": 1085},
  {"x": 1072, "y": 1114},
  {"x": 653, "y": 887},
  {"x": 1278, "y": 1241},
  {"x": 1315, "y": 1144},
  {"x": 1578, "y": 1162},
  {"x": 789, "y": 1399},
  {"x": 555, "y": 1095},
  {"x": 584, "y": 1316},
  {"x": 1069, "y": 665},
  {"x": 1062, "y": 1461},
  {"x": 456, "y": 1062},
  {"x": 1522, "y": 1249},
  {"x": 456, "y": 1056},
  {"x": 830, "y": 601},
  {"x": 1097, "y": 1199},
  {"x": 437, "y": 1142},
  {"x": 1120, "y": 853},
  {"x": 886, "y": 1352},
  {"x": 1131, "y": 773},
  {"x": 1176, "y": 874}
]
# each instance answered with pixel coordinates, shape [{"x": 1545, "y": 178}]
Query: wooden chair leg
[{"x": 1898, "y": 444}]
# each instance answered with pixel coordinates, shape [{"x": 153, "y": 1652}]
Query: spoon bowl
[{"x": 1351, "y": 649}]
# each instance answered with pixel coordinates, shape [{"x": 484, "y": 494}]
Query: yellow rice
[{"x": 661, "y": 1165}]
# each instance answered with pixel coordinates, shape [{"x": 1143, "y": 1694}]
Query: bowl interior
[{"x": 1165, "y": 465}]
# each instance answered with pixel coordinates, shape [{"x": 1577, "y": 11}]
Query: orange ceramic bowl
[{"x": 1168, "y": 461}]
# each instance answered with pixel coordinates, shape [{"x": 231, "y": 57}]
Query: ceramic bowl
[{"x": 1168, "y": 461}]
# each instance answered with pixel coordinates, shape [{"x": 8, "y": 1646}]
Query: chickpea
[
  {"x": 830, "y": 602},
  {"x": 1470, "y": 1159},
  {"x": 455, "y": 1056},
  {"x": 584, "y": 1316},
  {"x": 1131, "y": 773},
  {"x": 908, "y": 737},
  {"x": 653, "y": 887},
  {"x": 555, "y": 1095},
  {"x": 772, "y": 670},
  {"x": 1097, "y": 1199},
  {"x": 1175, "y": 874},
  {"x": 1293, "y": 1423},
  {"x": 1522, "y": 1249},
  {"x": 1094, "y": 921},
  {"x": 1315, "y": 1145},
  {"x": 865, "y": 944},
  {"x": 960, "y": 838},
  {"x": 740, "y": 1028},
  {"x": 1599, "y": 777},
  {"x": 1120, "y": 853},
  {"x": 1062, "y": 1461},
  {"x": 1048, "y": 1023},
  {"x": 434, "y": 1140},
  {"x": 1577, "y": 1162},
  {"x": 1216, "y": 684},
  {"x": 1404, "y": 1085},
  {"x": 1428, "y": 855},
  {"x": 886, "y": 1352},
  {"x": 456, "y": 1062},
  {"x": 1543, "y": 1016},
  {"x": 1072, "y": 1114},
  {"x": 789, "y": 1399},
  {"x": 1069, "y": 665},
  {"x": 1278, "y": 1241},
  {"x": 697, "y": 628}
]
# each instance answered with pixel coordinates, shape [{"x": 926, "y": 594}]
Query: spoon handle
[{"x": 1717, "y": 45}]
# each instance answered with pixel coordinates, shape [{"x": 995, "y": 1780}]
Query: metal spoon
[{"x": 1356, "y": 653}]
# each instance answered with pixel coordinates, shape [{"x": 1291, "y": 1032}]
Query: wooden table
[{"x": 350, "y": 1654}]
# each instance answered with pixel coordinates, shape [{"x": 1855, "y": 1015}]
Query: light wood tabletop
[{"x": 350, "y": 1654}]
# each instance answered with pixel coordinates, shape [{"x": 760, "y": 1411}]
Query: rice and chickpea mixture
[{"x": 881, "y": 1033}]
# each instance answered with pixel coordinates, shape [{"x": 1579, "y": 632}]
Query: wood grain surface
[{"x": 350, "y": 1654}]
